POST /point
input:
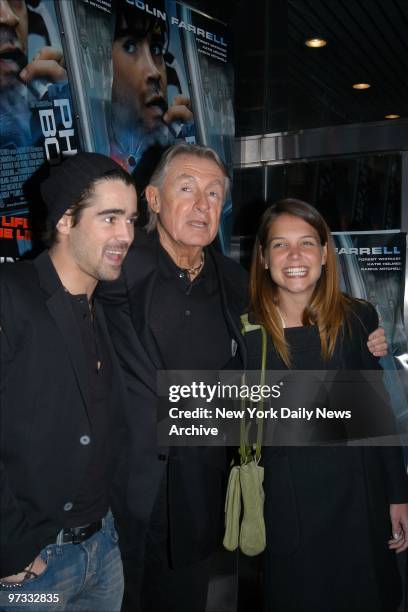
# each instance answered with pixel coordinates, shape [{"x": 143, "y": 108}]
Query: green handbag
[{"x": 244, "y": 502}]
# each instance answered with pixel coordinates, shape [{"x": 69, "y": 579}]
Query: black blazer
[
  {"x": 327, "y": 508},
  {"x": 43, "y": 400},
  {"x": 196, "y": 476}
]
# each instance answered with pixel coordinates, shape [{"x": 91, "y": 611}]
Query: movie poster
[
  {"x": 148, "y": 75},
  {"x": 373, "y": 268},
  {"x": 36, "y": 116}
]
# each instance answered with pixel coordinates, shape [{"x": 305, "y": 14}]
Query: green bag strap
[{"x": 245, "y": 449}]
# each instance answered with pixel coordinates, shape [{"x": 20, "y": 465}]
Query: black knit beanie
[{"x": 68, "y": 180}]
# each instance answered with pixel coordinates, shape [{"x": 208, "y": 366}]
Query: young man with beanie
[{"x": 60, "y": 398}]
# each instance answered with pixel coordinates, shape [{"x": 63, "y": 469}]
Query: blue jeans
[{"x": 87, "y": 577}]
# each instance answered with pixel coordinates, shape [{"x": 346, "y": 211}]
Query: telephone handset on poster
[
  {"x": 38, "y": 87},
  {"x": 176, "y": 96}
]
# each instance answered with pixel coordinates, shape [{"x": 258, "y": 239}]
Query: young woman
[{"x": 335, "y": 515}]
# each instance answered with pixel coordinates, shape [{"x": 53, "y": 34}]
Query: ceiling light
[
  {"x": 361, "y": 86},
  {"x": 392, "y": 116},
  {"x": 315, "y": 43}
]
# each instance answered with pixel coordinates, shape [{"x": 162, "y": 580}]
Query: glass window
[{"x": 353, "y": 194}]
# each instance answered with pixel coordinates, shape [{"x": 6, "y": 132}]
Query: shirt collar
[{"x": 169, "y": 270}]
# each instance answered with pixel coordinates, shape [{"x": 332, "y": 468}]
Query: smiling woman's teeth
[{"x": 295, "y": 271}]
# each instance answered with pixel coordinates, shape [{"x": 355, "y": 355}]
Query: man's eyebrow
[
  {"x": 217, "y": 182},
  {"x": 111, "y": 211},
  {"x": 139, "y": 33},
  {"x": 184, "y": 176},
  {"x": 131, "y": 31}
]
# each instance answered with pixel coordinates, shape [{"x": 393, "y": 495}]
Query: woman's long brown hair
[{"x": 328, "y": 307}]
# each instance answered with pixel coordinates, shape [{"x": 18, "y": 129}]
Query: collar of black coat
[
  {"x": 50, "y": 282},
  {"x": 252, "y": 318},
  {"x": 60, "y": 309},
  {"x": 169, "y": 270},
  {"x": 141, "y": 267}
]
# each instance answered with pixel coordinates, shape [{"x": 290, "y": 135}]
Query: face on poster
[
  {"x": 35, "y": 108},
  {"x": 167, "y": 78},
  {"x": 149, "y": 104},
  {"x": 172, "y": 77},
  {"x": 132, "y": 90}
]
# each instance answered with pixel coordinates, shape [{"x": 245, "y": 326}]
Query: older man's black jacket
[
  {"x": 44, "y": 427},
  {"x": 196, "y": 475}
]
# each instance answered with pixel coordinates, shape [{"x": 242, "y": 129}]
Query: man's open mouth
[
  {"x": 13, "y": 54},
  {"x": 198, "y": 224},
  {"x": 115, "y": 256},
  {"x": 157, "y": 102}
]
